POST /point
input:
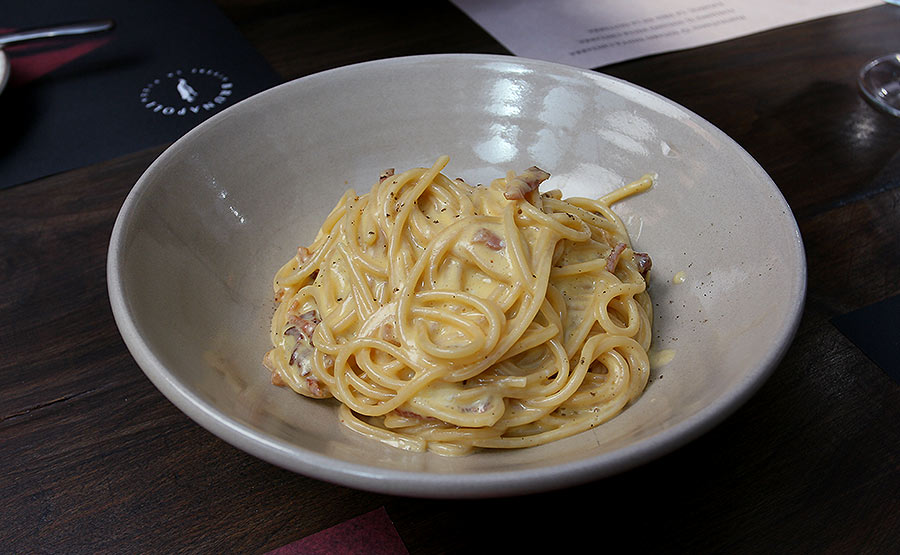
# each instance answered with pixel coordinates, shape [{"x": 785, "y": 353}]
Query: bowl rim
[
  {"x": 428, "y": 484},
  {"x": 4, "y": 69}
]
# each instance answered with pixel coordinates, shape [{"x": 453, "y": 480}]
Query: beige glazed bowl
[{"x": 200, "y": 236}]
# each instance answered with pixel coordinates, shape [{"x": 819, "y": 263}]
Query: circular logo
[{"x": 181, "y": 93}]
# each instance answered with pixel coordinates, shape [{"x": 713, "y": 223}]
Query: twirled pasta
[{"x": 449, "y": 317}]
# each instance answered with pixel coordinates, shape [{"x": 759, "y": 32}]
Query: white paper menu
[{"x": 594, "y": 33}]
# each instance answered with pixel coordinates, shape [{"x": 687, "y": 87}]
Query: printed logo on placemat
[{"x": 182, "y": 93}]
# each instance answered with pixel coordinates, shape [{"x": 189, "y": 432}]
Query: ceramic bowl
[{"x": 201, "y": 234}]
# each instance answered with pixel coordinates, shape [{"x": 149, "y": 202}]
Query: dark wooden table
[{"x": 94, "y": 459}]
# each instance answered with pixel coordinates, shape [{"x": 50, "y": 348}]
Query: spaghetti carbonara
[{"x": 448, "y": 317}]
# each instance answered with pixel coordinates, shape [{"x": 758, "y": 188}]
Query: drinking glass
[{"x": 879, "y": 81}]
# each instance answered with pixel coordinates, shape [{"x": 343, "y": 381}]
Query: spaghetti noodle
[{"x": 448, "y": 317}]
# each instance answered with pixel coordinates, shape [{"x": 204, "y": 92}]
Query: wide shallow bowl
[{"x": 200, "y": 236}]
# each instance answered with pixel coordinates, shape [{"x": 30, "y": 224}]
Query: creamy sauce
[{"x": 661, "y": 358}]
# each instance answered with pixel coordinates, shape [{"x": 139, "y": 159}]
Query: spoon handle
[{"x": 80, "y": 28}]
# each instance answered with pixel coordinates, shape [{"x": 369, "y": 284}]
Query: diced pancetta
[
  {"x": 613, "y": 259},
  {"x": 488, "y": 238},
  {"x": 315, "y": 388},
  {"x": 643, "y": 262},
  {"x": 306, "y": 322},
  {"x": 302, "y": 328},
  {"x": 525, "y": 182},
  {"x": 407, "y": 413}
]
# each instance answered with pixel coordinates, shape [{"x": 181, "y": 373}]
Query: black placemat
[
  {"x": 875, "y": 329},
  {"x": 167, "y": 66}
]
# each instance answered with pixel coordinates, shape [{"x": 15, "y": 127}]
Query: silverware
[{"x": 79, "y": 28}]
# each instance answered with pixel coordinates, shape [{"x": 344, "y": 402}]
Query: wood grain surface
[{"x": 95, "y": 459}]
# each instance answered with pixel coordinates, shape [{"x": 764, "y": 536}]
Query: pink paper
[{"x": 372, "y": 533}]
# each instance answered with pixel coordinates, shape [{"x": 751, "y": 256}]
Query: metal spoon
[
  {"x": 68, "y": 29},
  {"x": 79, "y": 28}
]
